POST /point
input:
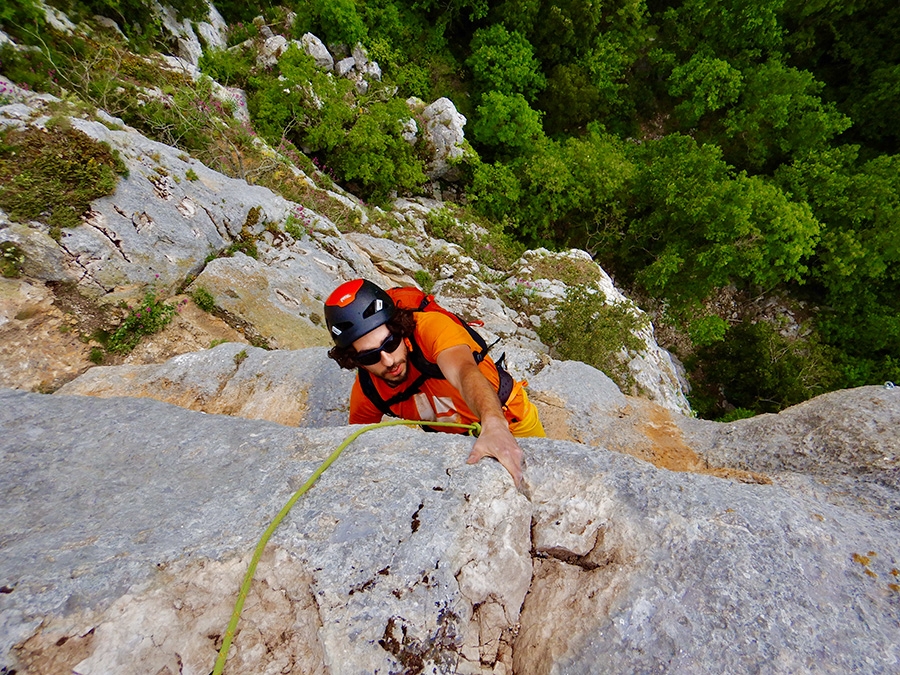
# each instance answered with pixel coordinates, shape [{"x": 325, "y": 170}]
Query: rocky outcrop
[{"x": 402, "y": 558}]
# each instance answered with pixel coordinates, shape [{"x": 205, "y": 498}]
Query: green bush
[
  {"x": 756, "y": 368},
  {"x": 147, "y": 318},
  {"x": 588, "y": 329},
  {"x": 204, "y": 299},
  {"x": 11, "y": 260},
  {"x": 53, "y": 176},
  {"x": 504, "y": 62}
]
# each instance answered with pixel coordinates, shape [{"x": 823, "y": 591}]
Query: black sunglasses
[{"x": 372, "y": 356}]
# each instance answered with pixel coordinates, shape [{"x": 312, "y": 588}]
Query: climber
[{"x": 424, "y": 363}]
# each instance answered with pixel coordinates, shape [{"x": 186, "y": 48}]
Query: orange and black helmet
[{"x": 356, "y": 308}]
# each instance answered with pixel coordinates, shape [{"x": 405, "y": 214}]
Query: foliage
[
  {"x": 334, "y": 21},
  {"x": 374, "y": 155},
  {"x": 147, "y": 318},
  {"x": 424, "y": 279},
  {"x": 203, "y": 299},
  {"x": 697, "y": 226},
  {"x": 503, "y": 62},
  {"x": 758, "y": 369},
  {"x": 486, "y": 242},
  {"x": 11, "y": 260},
  {"x": 706, "y": 84},
  {"x": 779, "y": 116},
  {"x": 507, "y": 124},
  {"x": 53, "y": 175},
  {"x": 588, "y": 329}
]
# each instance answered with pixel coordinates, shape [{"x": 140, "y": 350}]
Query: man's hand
[{"x": 496, "y": 441}]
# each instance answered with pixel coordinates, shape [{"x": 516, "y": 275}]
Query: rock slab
[{"x": 126, "y": 524}]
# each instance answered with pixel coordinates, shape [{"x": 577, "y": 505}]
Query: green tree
[
  {"x": 506, "y": 125},
  {"x": 375, "y": 156},
  {"x": 504, "y": 62},
  {"x": 334, "y": 21},
  {"x": 704, "y": 84},
  {"x": 779, "y": 116},
  {"x": 695, "y": 225},
  {"x": 857, "y": 263}
]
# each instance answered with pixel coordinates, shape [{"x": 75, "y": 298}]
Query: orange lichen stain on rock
[
  {"x": 871, "y": 573},
  {"x": 861, "y": 559},
  {"x": 667, "y": 449},
  {"x": 894, "y": 587},
  {"x": 895, "y": 572},
  {"x": 554, "y": 416}
]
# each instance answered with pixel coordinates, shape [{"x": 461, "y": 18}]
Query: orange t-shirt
[{"x": 437, "y": 400}]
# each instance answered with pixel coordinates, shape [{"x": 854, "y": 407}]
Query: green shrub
[
  {"x": 204, "y": 299},
  {"x": 589, "y": 330},
  {"x": 231, "y": 68},
  {"x": 756, "y": 368},
  {"x": 53, "y": 176},
  {"x": 149, "y": 317},
  {"x": 424, "y": 279},
  {"x": 11, "y": 260}
]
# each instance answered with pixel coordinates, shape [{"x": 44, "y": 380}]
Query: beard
[{"x": 396, "y": 375}]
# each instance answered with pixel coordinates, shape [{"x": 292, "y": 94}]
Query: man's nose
[{"x": 387, "y": 359}]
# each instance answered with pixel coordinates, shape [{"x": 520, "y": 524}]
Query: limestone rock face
[
  {"x": 129, "y": 522},
  {"x": 295, "y": 388},
  {"x": 444, "y": 131}
]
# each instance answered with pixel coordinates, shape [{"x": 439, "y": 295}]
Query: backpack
[{"x": 411, "y": 298}]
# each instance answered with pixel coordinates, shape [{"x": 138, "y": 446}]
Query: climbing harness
[{"x": 475, "y": 429}]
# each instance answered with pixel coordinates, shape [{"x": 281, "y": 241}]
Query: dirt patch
[
  {"x": 191, "y": 330},
  {"x": 41, "y": 344},
  {"x": 644, "y": 430},
  {"x": 48, "y": 332},
  {"x": 665, "y": 447},
  {"x": 554, "y": 416}
]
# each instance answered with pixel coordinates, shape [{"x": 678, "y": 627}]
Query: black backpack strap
[
  {"x": 505, "y": 387},
  {"x": 368, "y": 388}
]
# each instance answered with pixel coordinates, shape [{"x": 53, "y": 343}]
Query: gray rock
[
  {"x": 444, "y": 130},
  {"x": 272, "y": 49},
  {"x": 344, "y": 66},
  {"x": 109, "y": 24},
  {"x": 317, "y": 49},
  {"x": 155, "y": 231},
  {"x": 188, "y": 44},
  {"x": 295, "y": 388},
  {"x": 127, "y": 524},
  {"x": 850, "y": 434}
]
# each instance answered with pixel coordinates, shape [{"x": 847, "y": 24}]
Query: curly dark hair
[{"x": 402, "y": 324}]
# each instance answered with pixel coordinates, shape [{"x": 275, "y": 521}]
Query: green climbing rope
[{"x": 257, "y": 554}]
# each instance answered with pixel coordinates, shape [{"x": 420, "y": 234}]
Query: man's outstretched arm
[{"x": 459, "y": 367}]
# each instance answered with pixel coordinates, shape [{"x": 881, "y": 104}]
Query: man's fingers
[{"x": 476, "y": 454}]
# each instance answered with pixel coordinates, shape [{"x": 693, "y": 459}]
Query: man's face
[{"x": 392, "y": 368}]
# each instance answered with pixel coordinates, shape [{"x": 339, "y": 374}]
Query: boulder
[
  {"x": 317, "y": 49},
  {"x": 444, "y": 132},
  {"x": 188, "y": 47},
  {"x": 295, "y": 388}
]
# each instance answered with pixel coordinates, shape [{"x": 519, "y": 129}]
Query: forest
[{"x": 718, "y": 157}]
